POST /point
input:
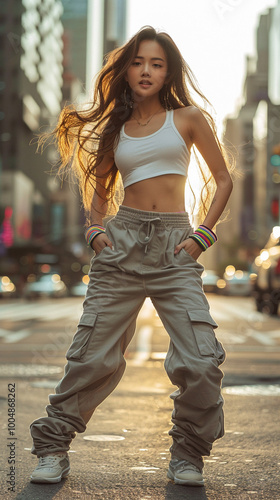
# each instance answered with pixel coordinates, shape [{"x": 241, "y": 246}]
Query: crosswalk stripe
[
  {"x": 232, "y": 312},
  {"x": 52, "y": 311},
  {"x": 42, "y": 311},
  {"x": 235, "y": 311},
  {"x": 11, "y": 337},
  {"x": 219, "y": 315},
  {"x": 263, "y": 338}
]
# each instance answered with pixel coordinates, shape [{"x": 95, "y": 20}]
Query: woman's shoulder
[
  {"x": 191, "y": 112},
  {"x": 190, "y": 119}
]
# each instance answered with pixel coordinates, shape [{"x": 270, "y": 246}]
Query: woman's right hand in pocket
[{"x": 101, "y": 241}]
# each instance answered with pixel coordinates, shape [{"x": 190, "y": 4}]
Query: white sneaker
[
  {"x": 51, "y": 468},
  {"x": 184, "y": 472}
]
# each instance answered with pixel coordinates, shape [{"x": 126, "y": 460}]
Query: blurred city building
[
  {"x": 49, "y": 53},
  {"x": 274, "y": 57},
  {"x": 75, "y": 24},
  {"x": 31, "y": 82},
  {"x": 254, "y": 133},
  {"x": 107, "y": 30}
]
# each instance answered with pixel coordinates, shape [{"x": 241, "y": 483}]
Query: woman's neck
[{"x": 146, "y": 108}]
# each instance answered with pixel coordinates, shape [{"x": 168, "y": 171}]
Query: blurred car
[
  {"x": 7, "y": 287},
  {"x": 47, "y": 285},
  {"x": 238, "y": 283},
  {"x": 266, "y": 287},
  {"x": 80, "y": 288},
  {"x": 210, "y": 281}
]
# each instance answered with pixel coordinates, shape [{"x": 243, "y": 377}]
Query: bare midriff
[{"x": 165, "y": 193}]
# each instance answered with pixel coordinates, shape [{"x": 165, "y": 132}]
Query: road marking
[
  {"x": 232, "y": 312},
  {"x": 231, "y": 337},
  {"x": 229, "y": 310},
  {"x": 10, "y": 336},
  {"x": 275, "y": 334},
  {"x": 266, "y": 338},
  {"x": 263, "y": 338},
  {"x": 253, "y": 390},
  {"x": 60, "y": 308},
  {"x": 45, "y": 311}
]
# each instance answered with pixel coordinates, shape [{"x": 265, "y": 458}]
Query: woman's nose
[{"x": 145, "y": 69}]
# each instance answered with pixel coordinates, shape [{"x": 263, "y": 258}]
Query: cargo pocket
[
  {"x": 186, "y": 257},
  {"x": 203, "y": 329},
  {"x": 187, "y": 254},
  {"x": 81, "y": 338}
]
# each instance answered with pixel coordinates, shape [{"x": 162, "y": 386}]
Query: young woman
[{"x": 143, "y": 124}]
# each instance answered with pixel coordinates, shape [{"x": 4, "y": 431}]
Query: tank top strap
[
  {"x": 169, "y": 117},
  {"x": 122, "y": 130}
]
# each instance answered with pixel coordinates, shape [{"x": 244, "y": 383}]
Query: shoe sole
[
  {"x": 187, "y": 482},
  {"x": 51, "y": 480}
]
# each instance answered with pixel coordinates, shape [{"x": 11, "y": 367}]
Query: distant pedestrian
[{"x": 142, "y": 124}]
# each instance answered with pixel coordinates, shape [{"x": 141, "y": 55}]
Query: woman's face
[{"x": 148, "y": 71}]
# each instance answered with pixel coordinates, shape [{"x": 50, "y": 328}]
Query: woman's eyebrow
[{"x": 152, "y": 58}]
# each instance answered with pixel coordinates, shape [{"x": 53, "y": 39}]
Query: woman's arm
[
  {"x": 203, "y": 138},
  {"x": 206, "y": 144}
]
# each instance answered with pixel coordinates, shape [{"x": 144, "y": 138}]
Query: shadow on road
[
  {"x": 177, "y": 492},
  {"x": 34, "y": 491},
  {"x": 49, "y": 491}
]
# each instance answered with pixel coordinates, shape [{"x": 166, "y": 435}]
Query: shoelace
[
  {"x": 181, "y": 465},
  {"x": 48, "y": 461}
]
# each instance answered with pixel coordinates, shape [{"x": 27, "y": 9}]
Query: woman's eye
[{"x": 137, "y": 63}]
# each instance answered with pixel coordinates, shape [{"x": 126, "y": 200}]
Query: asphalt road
[{"x": 124, "y": 452}]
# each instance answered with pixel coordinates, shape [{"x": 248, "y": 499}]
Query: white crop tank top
[{"x": 160, "y": 153}]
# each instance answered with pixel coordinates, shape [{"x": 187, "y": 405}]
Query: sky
[{"x": 214, "y": 37}]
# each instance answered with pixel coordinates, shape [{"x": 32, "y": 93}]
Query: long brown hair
[{"x": 84, "y": 136}]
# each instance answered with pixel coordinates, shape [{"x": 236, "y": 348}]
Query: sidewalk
[{"x": 244, "y": 464}]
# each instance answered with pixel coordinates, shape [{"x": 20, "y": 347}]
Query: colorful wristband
[
  {"x": 204, "y": 237},
  {"x": 92, "y": 231}
]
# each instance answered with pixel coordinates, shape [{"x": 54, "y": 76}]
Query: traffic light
[
  {"x": 275, "y": 157},
  {"x": 275, "y": 160},
  {"x": 274, "y": 208}
]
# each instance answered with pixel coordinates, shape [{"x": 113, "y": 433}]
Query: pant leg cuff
[{"x": 178, "y": 452}]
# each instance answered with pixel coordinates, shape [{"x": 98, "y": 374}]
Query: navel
[{"x": 154, "y": 207}]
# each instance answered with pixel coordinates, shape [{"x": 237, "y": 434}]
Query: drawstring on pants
[{"x": 150, "y": 231}]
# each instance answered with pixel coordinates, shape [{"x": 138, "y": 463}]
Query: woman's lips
[{"x": 145, "y": 84}]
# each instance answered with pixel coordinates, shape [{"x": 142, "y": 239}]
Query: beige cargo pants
[{"x": 141, "y": 264}]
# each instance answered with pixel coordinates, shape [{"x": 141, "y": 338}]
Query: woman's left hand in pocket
[{"x": 190, "y": 246}]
